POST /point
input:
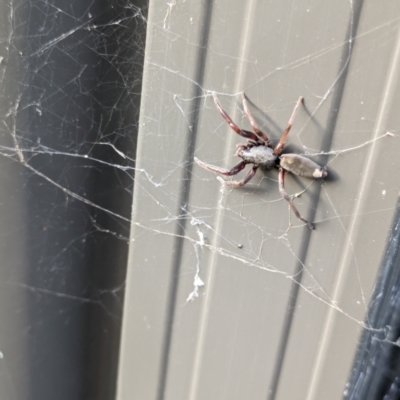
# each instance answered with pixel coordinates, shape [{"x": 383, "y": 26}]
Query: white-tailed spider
[{"x": 259, "y": 152}]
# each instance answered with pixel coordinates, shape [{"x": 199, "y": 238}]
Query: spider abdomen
[
  {"x": 259, "y": 155},
  {"x": 301, "y": 166}
]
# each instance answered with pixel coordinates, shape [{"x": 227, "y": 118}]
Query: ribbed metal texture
[{"x": 229, "y": 295}]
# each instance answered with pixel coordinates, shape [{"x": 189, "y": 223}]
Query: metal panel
[
  {"x": 229, "y": 296},
  {"x": 70, "y": 83}
]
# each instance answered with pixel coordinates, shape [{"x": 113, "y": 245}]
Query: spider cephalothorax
[{"x": 259, "y": 152}]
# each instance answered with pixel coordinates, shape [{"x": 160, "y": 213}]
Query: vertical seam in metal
[
  {"x": 183, "y": 197},
  {"x": 331, "y": 123}
]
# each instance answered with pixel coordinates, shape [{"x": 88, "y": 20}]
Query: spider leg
[
  {"x": 279, "y": 147},
  {"x": 235, "y": 170},
  {"x": 288, "y": 199},
  {"x": 256, "y": 129},
  {"x": 236, "y": 184},
  {"x": 227, "y": 118}
]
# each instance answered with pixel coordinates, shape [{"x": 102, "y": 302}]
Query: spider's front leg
[
  {"x": 288, "y": 199},
  {"x": 279, "y": 147},
  {"x": 256, "y": 129},
  {"x": 227, "y": 118}
]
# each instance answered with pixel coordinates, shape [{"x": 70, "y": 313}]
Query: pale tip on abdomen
[{"x": 320, "y": 173}]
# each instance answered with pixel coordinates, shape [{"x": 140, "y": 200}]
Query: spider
[{"x": 259, "y": 152}]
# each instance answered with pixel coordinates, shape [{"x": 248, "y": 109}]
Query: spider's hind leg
[{"x": 289, "y": 200}]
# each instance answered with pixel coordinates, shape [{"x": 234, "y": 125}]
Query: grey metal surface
[
  {"x": 70, "y": 80},
  {"x": 281, "y": 310}
]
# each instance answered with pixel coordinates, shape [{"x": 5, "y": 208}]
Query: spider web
[
  {"x": 233, "y": 241},
  {"x": 71, "y": 79}
]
